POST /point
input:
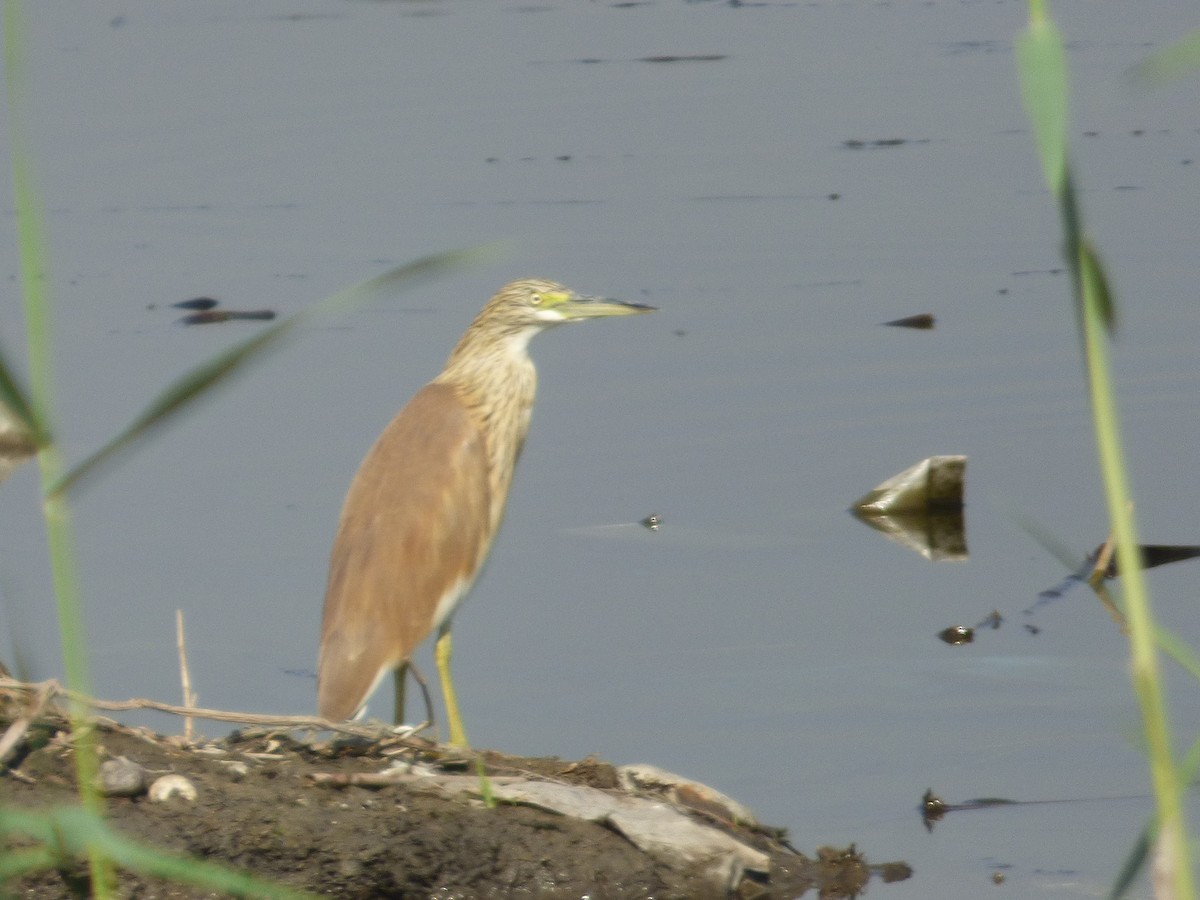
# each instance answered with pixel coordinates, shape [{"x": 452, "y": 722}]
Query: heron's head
[
  {"x": 534, "y": 304},
  {"x": 502, "y": 330}
]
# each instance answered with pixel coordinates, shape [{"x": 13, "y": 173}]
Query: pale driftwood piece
[
  {"x": 16, "y": 730},
  {"x": 655, "y": 827},
  {"x": 651, "y": 781}
]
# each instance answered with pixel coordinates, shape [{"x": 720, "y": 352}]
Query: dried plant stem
[
  {"x": 216, "y": 715},
  {"x": 189, "y": 698}
]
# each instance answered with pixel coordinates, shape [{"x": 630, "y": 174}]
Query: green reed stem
[
  {"x": 37, "y": 305},
  {"x": 1042, "y": 67},
  {"x": 1145, "y": 671}
]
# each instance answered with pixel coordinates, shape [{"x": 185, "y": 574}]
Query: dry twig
[
  {"x": 54, "y": 689},
  {"x": 189, "y": 697}
]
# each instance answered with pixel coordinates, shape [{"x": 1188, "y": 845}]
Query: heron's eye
[{"x": 535, "y": 299}]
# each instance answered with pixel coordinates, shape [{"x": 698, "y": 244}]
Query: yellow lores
[{"x": 428, "y": 499}]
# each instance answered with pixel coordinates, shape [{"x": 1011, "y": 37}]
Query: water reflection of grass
[{"x": 1042, "y": 66}]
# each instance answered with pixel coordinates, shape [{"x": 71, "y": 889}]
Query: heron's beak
[{"x": 573, "y": 308}]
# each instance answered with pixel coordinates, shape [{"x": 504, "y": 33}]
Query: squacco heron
[{"x": 428, "y": 499}]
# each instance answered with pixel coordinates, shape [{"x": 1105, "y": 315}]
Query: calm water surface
[{"x": 763, "y": 641}]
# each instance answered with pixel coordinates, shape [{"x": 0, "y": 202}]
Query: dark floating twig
[
  {"x": 1151, "y": 555},
  {"x": 1101, "y": 565},
  {"x": 919, "y": 322},
  {"x": 207, "y": 313},
  {"x": 857, "y": 144},
  {"x": 690, "y": 57},
  {"x": 197, "y": 303}
]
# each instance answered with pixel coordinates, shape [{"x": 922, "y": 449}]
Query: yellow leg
[
  {"x": 398, "y": 678},
  {"x": 441, "y": 652}
]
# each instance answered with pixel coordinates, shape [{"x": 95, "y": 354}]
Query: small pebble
[
  {"x": 172, "y": 786},
  {"x": 121, "y": 777}
]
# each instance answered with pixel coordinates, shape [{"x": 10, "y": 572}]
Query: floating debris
[
  {"x": 199, "y": 303},
  {"x": 934, "y": 808},
  {"x": 206, "y": 312},
  {"x": 939, "y": 537},
  {"x": 935, "y": 483},
  {"x": 16, "y": 443},
  {"x": 652, "y": 522},
  {"x": 1151, "y": 555},
  {"x": 692, "y": 57},
  {"x": 920, "y": 322},
  {"x": 658, "y": 58},
  {"x": 1100, "y": 566},
  {"x": 210, "y": 316},
  {"x": 921, "y": 508},
  {"x": 856, "y": 144},
  {"x": 957, "y": 635}
]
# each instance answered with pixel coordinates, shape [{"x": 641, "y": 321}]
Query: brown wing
[{"x": 413, "y": 531}]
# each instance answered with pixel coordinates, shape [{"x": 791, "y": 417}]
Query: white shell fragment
[
  {"x": 235, "y": 769},
  {"x": 170, "y": 786}
]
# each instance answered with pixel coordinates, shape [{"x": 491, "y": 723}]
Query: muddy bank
[{"x": 403, "y": 818}]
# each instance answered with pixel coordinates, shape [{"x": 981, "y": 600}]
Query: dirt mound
[{"x": 403, "y": 818}]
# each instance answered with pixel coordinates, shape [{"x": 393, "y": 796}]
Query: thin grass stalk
[
  {"x": 37, "y": 305},
  {"x": 1145, "y": 671},
  {"x": 1043, "y": 74}
]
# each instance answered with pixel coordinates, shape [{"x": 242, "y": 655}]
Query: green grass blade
[
  {"x": 1183, "y": 654},
  {"x": 1139, "y": 855},
  {"x": 1067, "y": 557},
  {"x": 35, "y": 292},
  {"x": 1170, "y": 63},
  {"x": 1042, "y": 69},
  {"x": 1095, "y": 283},
  {"x": 1134, "y": 863},
  {"x": 1042, "y": 66},
  {"x": 18, "y": 863},
  {"x": 201, "y": 380}
]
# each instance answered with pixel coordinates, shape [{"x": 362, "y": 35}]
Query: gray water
[{"x": 762, "y": 641}]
